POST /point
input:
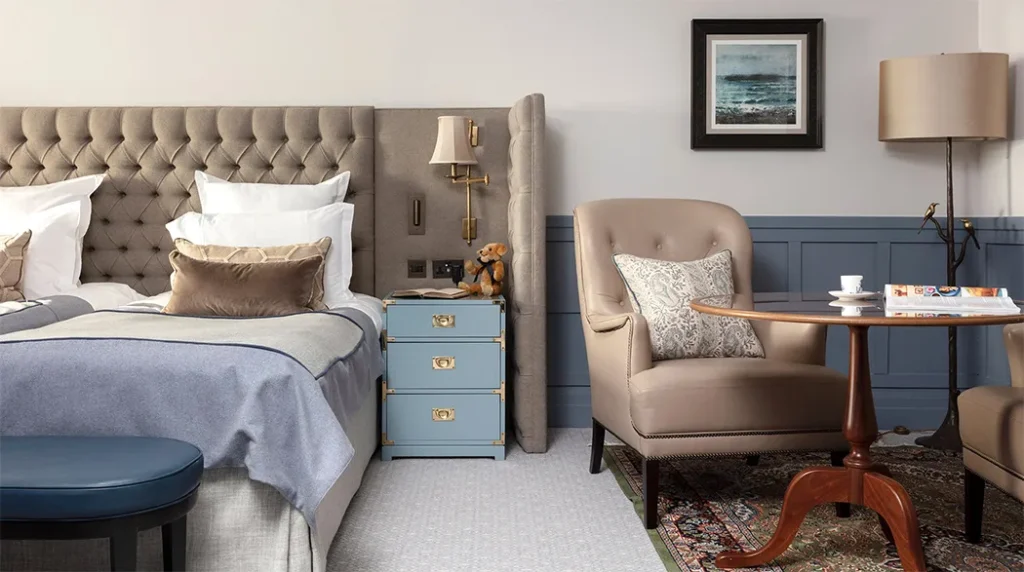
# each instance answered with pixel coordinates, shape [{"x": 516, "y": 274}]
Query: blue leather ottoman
[{"x": 99, "y": 487}]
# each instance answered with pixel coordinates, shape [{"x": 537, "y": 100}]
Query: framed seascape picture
[{"x": 757, "y": 84}]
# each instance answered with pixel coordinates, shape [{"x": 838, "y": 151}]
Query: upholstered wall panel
[
  {"x": 150, "y": 156},
  {"x": 527, "y": 234},
  {"x": 404, "y": 143}
]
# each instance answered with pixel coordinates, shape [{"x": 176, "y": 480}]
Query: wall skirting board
[{"x": 808, "y": 254}]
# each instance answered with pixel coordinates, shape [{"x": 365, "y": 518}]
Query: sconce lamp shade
[
  {"x": 959, "y": 96},
  {"x": 453, "y": 141}
]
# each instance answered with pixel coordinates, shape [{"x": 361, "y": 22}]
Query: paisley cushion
[{"x": 661, "y": 292}]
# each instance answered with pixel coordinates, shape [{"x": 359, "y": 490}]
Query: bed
[{"x": 150, "y": 156}]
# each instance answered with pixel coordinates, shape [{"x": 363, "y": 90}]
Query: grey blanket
[
  {"x": 269, "y": 394},
  {"x": 16, "y": 316}
]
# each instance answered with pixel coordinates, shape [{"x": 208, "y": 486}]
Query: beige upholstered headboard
[{"x": 150, "y": 156}]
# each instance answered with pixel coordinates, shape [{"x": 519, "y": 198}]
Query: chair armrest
[
  {"x": 1013, "y": 337},
  {"x": 792, "y": 342},
  {"x": 622, "y": 335}
]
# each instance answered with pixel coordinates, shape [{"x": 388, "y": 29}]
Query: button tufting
[
  {"x": 88, "y": 138},
  {"x": 188, "y": 139},
  {"x": 156, "y": 249},
  {"x": 236, "y": 166},
  {"x": 105, "y": 275},
  {"x": 219, "y": 140},
  {"x": 253, "y": 140},
  {"x": 334, "y": 166},
  {"x": 122, "y": 249},
  {"x": 318, "y": 139},
  {"x": 140, "y": 276},
  {"x": 301, "y": 167},
  {"x": 202, "y": 167},
  {"x": 137, "y": 167},
  {"x": 155, "y": 194},
  {"x": 120, "y": 138},
  {"x": 139, "y": 222},
  {"x": 104, "y": 220},
  {"x": 105, "y": 166},
  {"x": 122, "y": 194},
  {"x": 285, "y": 140},
  {"x": 39, "y": 167},
  {"x": 90, "y": 249}
]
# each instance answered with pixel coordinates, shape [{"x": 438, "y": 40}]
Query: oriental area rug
[{"x": 711, "y": 505}]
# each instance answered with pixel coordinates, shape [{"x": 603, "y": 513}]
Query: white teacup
[{"x": 852, "y": 284}]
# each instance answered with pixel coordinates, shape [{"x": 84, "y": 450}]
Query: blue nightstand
[{"x": 443, "y": 393}]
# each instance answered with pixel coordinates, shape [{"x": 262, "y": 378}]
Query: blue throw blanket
[
  {"x": 269, "y": 394},
  {"x": 17, "y": 316}
]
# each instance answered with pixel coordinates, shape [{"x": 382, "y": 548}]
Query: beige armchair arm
[
  {"x": 795, "y": 343},
  {"x": 621, "y": 343},
  {"x": 1013, "y": 337}
]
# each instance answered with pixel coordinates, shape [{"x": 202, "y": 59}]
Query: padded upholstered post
[
  {"x": 527, "y": 235},
  {"x": 150, "y": 156}
]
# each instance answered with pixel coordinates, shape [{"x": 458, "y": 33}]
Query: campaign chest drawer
[
  {"x": 452, "y": 320},
  {"x": 437, "y": 418},
  {"x": 444, "y": 365}
]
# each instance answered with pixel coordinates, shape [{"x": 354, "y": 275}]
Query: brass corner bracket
[{"x": 500, "y": 441}]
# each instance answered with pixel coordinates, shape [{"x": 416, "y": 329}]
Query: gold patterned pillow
[
  {"x": 661, "y": 291},
  {"x": 242, "y": 254},
  {"x": 12, "y": 262}
]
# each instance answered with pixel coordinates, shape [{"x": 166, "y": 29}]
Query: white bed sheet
[
  {"x": 372, "y": 307},
  {"x": 104, "y": 295}
]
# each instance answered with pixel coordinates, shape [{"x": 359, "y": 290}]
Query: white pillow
[
  {"x": 281, "y": 229},
  {"x": 50, "y": 258},
  {"x": 220, "y": 196},
  {"x": 26, "y": 201}
]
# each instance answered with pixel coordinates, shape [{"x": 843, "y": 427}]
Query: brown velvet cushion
[
  {"x": 243, "y": 289},
  {"x": 12, "y": 265},
  {"x": 216, "y": 253}
]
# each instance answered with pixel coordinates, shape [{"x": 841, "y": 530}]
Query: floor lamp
[{"x": 945, "y": 98}]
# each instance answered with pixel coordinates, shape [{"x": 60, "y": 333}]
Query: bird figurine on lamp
[{"x": 950, "y": 239}]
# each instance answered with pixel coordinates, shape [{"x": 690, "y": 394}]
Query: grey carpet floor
[
  {"x": 542, "y": 513},
  {"x": 527, "y": 513}
]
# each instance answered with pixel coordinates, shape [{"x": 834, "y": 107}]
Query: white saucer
[{"x": 847, "y": 296}]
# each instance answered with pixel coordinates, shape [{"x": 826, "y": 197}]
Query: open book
[
  {"x": 441, "y": 293},
  {"x": 951, "y": 299}
]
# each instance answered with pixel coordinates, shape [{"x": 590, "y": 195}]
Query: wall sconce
[{"x": 456, "y": 137}]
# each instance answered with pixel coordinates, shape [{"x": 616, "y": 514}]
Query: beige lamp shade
[
  {"x": 453, "y": 141},
  {"x": 959, "y": 96}
]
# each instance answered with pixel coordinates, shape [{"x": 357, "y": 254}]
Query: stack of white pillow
[
  {"x": 261, "y": 214},
  {"x": 58, "y": 215}
]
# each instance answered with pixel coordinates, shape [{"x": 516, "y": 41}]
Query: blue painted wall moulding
[{"x": 808, "y": 254}]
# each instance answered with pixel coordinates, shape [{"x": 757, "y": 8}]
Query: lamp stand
[
  {"x": 947, "y": 436},
  {"x": 468, "y": 223}
]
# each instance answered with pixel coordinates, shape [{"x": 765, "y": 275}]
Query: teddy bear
[{"x": 488, "y": 269}]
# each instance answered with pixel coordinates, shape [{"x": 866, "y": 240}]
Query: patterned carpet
[{"x": 709, "y": 505}]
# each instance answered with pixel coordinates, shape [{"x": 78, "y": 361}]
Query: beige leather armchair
[
  {"x": 694, "y": 407},
  {"x": 992, "y": 431}
]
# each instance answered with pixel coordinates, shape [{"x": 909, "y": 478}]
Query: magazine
[{"x": 948, "y": 299}]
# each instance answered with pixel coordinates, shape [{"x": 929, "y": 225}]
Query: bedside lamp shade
[
  {"x": 959, "y": 96},
  {"x": 453, "y": 142}
]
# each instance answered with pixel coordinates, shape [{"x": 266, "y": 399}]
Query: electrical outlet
[
  {"x": 417, "y": 269},
  {"x": 443, "y": 268}
]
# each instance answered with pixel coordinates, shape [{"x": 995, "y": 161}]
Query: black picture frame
[{"x": 813, "y": 134}]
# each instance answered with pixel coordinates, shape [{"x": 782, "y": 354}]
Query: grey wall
[{"x": 808, "y": 254}]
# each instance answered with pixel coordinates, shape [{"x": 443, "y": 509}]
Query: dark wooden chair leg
[
  {"x": 122, "y": 551},
  {"x": 174, "y": 545},
  {"x": 596, "y": 448},
  {"x": 650, "y": 475},
  {"x": 753, "y": 460},
  {"x": 974, "y": 504},
  {"x": 842, "y": 508}
]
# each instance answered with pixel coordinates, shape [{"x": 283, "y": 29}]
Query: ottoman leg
[
  {"x": 122, "y": 550},
  {"x": 174, "y": 545}
]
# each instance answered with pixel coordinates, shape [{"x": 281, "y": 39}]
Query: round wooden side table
[{"x": 860, "y": 480}]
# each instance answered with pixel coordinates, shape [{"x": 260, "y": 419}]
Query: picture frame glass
[{"x": 756, "y": 84}]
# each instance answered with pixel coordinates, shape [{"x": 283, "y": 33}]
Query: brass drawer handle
[
  {"x": 443, "y": 362},
  {"x": 444, "y": 320},
  {"x": 443, "y": 414}
]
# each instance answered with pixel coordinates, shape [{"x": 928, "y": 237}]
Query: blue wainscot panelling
[{"x": 808, "y": 254}]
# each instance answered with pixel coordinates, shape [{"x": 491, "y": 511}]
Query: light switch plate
[{"x": 417, "y": 269}]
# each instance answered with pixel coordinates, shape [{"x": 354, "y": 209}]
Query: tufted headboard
[{"x": 150, "y": 156}]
